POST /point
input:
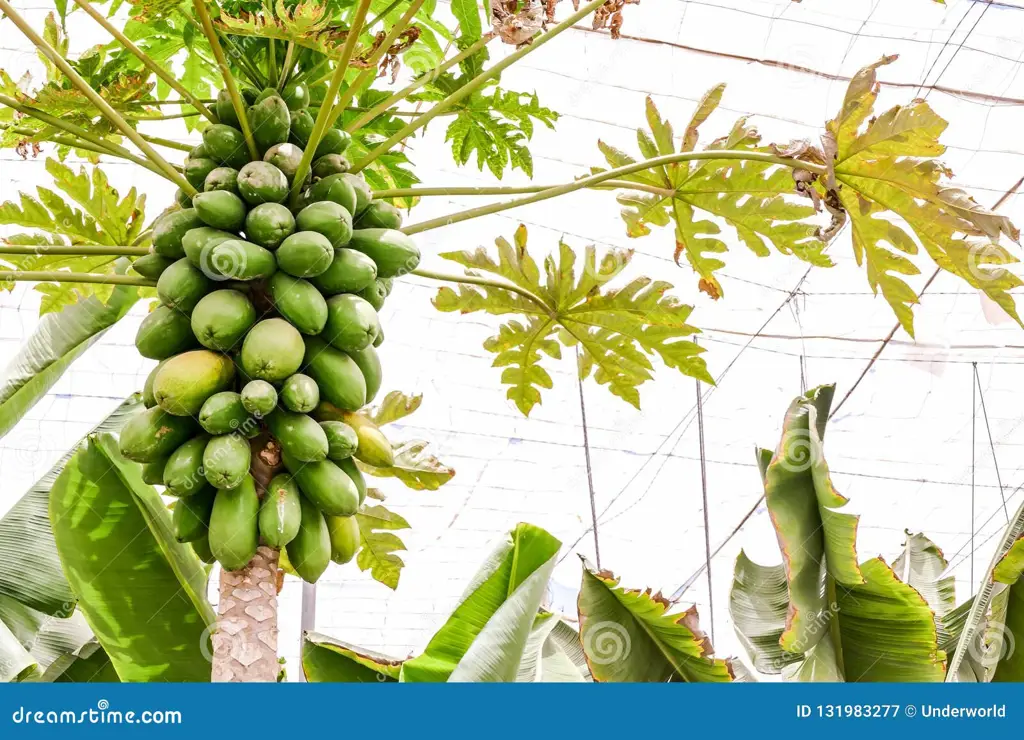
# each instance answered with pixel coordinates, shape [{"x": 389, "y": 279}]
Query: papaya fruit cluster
[{"x": 267, "y": 328}]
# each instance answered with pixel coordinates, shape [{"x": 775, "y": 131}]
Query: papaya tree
[{"x": 287, "y": 234}]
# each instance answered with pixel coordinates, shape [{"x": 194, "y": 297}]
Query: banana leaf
[
  {"x": 326, "y": 660},
  {"x": 59, "y": 340},
  {"x": 485, "y": 637},
  {"x": 629, "y": 636},
  {"x": 142, "y": 592}
]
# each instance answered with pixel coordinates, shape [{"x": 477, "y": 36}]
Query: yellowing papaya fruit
[
  {"x": 345, "y": 538},
  {"x": 185, "y": 381}
]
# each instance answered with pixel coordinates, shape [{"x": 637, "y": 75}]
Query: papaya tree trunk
[{"x": 245, "y": 641}]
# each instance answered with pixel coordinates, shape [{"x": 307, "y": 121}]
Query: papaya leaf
[
  {"x": 615, "y": 330},
  {"x": 326, "y": 660},
  {"x": 395, "y": 406},
  {"x": 378, "y": 544},
  {"x": 886, "y": 164},
  {"x": 309, "y": 24},
  {"x": 628, "y": 635},
  {"x": 413, "y": 466},
  {"x": 104, "y": 218},
  {"x": 755, "y": 199}
]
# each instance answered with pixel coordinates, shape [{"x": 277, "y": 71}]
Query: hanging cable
[
  {"x": 991, "y": 443},
  {"x": 704, "y": 499},
  {"x": 974, "y": 416},
  {"x": 590, "y": 474}
]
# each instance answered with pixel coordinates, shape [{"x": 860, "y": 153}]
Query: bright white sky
[{"x": 901, "y": 447}]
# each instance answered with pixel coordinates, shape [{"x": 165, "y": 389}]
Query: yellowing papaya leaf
[
  {"x": 616, "y": 330},
  {"x": 884, "y": 165},
  {"x": 756, "y": 199},
  {"x": 378, "y": 543},
  {"x": 310, "y": 24},
  {"x": 395, "y": 405}
]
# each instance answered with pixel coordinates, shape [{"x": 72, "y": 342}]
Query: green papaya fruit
[
  {"x": 148, "y": 400},
  {"x": 344, "y": 535},
  {"x": 325, "y": 485},
  {"x": 234, "y": 527},
  {"x": 379, "y": 214},
  {"x": 369, "y": 363},
  {"x": 222, "y": 318},
  {"x": 182, "y": 198},
  {"x": 280, "y": 512},
  {"x": 262, "y": 182},
  {"x": 373, "y": 448},
  {"x": 237, "y": 259},
  {"x": 352, "y": 324},
  {"x": 296, "y": 95},
  {"x": 164, "y": 332},
  {"x": 386, "y": 285},
  {"x": 328, "y": 218},
  {"x": 393, "y": 252},
  {"x": 335, "y": 188},
  {"x": 338, "y": 376},
  {"x": 272, "y": 350},
  {"x": 250, "y": 95},
  {"x": 225, "y": 110},
  {"x": 191, "y": 515},
  {"x": 267, "y": 92},
  {"x": 309, "y": 552},
  {"x": 198, "y": 152},
  {"x": 300, "y": 394},
  {"x": 220, "y": 209},
  {"x": 181, "y": 286},
  {"x": 341, "y": 440},
  {"x": 349, "y": 467},
  {"x": 201, "y": 548},
  {"x": 300, "y": 436},
  {"x": 268, "y": 224},
  {"x": 334, "y": 141},
  {"x": 197, "y": 170},
  {"x": 186, "y": 380},
  {"x": 380, "y": 339},
  {"x": 226, "y": 460},
  {"x": 222, "y": 178},
  {"x": 330, "y": 164},
  {"x": 198, "y": 242},
  {"x": 183, "y": 474},
  {"x": 305, "y": 254},
  {"x": 285, "y": 157},
  {"x": 270, "y": 119},
  {"x": 226, "y": 145},
  {"x": 299, "y": 302},
  {"x": 350, "y": 272},
  {"x": 152, "y": 265},
  {"x": 374, "y": 294},
  {"x": 153, "y": 472},
  {"x": 364, "y": 194},
  {"x": 153, "y": 434},
  {"x": 300, "y": 128},
  {"x": 170, "y": 228},
  {"x": 223, "y": 413},
  {"x": 259, "y": 398}
]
